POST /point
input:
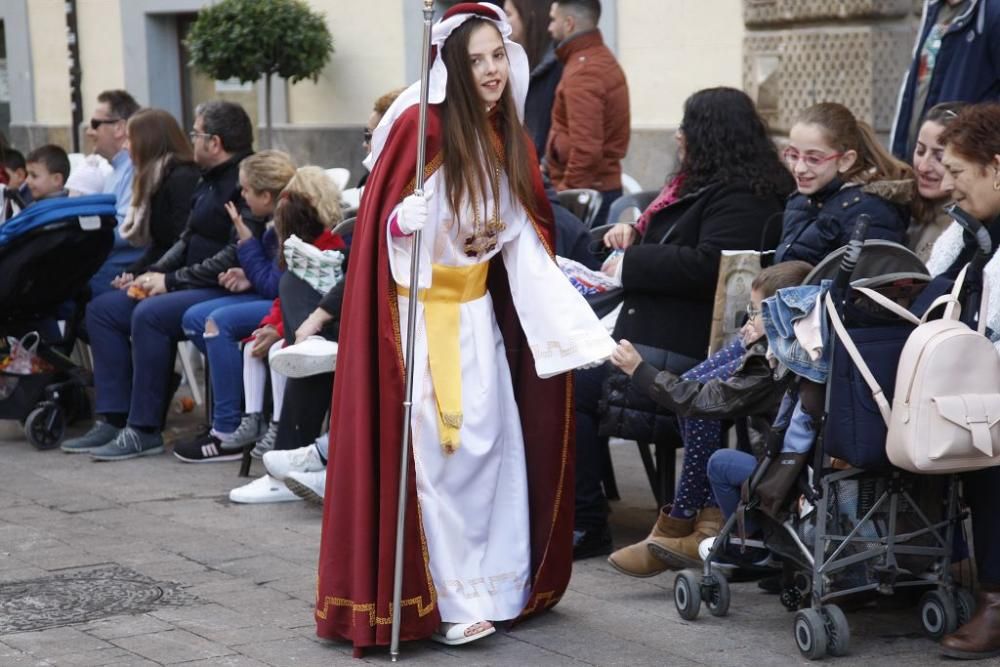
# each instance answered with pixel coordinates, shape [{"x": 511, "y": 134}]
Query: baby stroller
[
  {"x": 48, "y": 253},
  {"x": 869, "y": 529}
]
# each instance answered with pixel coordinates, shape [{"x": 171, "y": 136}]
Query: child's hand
[
  {"x": 241, "y": 228},
  {"x": 626, "y": 357},
  {"x": 263, "y": 339}
]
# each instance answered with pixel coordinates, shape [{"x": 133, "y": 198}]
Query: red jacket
[
  {"x": 325, "y": 241},
  {"x": 590, "y": 117}
]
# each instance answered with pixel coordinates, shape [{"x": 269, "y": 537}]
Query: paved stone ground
[{"x": 247, "y": 575}]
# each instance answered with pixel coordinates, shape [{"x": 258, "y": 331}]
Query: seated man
[
  {"x": 747, "y": 387},
  {"x": 48, "y": 170}
]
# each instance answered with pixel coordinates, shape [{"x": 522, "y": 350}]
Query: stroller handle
[
  {"x": 971, "y": 225},
  {"x": 854, "y": 248}
]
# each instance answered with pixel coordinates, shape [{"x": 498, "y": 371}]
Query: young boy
[
  {"x": 48, "y": 169},
  {"x": 17, "y": 173}
]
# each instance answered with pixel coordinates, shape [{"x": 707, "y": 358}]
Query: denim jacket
[{"x": 779, "y": 313}]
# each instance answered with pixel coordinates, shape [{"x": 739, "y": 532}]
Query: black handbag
[{"x": 629, "y": 413}]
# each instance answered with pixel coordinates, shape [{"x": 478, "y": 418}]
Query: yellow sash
[{"x": 450, "y": 287}]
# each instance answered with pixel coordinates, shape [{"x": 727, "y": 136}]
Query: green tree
[{"x": 251, "y": 39}]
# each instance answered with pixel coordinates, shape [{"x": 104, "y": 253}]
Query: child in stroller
[{"x": 48, "y": 252}]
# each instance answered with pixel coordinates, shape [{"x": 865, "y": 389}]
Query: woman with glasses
[{"x": 841, "y": 172}]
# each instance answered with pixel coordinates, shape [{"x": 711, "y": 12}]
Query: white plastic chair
[
  {"x": 630, "y": 185},
  {"x": 340, "y": 176}
]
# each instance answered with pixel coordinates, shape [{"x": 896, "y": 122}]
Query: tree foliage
[{"x": 250, "y": 39}]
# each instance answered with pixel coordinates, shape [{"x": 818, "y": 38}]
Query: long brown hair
[
  {"x": 535, "y": 19},
  {"x": 846, "y": 133},
  {"x": 468, "y": 135},
  {"x": 296, "y": 214},
  {"x": 152, "y": 134}
]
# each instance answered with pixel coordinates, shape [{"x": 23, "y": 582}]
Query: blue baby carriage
[
  {"x": 872, "y": 530},
  {"x": 48, "y": 253}
]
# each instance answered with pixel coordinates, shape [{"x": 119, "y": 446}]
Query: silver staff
[{"x": 411, "y": 328}]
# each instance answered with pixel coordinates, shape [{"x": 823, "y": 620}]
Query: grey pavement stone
[
  {"x": 97, "y": 658},
  {"x": 172, "y": 646},
  {"x": 124, "y": 626},
  {"x": 298, "y": 652},
  {"x": 53, "y": 642},
  {"x": 227, "y": 661}
]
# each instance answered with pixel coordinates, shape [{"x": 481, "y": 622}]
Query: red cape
[{"x": 359, "y": 519}]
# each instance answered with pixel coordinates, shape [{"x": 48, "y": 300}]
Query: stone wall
[{"x": 799, "y": 52}]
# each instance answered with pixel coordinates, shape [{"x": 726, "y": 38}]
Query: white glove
[{"x": 412, "y": 215}]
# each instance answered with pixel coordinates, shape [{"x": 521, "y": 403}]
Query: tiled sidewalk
[{"x": 239, "y": 582}]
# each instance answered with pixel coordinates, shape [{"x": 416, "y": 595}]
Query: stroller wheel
[
  {"x": 938, "y": 613},
  {"x": 837, "y": 630},
  {"x": 810, "y": 633},
  {"x": 687, "y": 594},
  {"x": 966, "y": 604},
  {"x": 45, "y": 425},
  {"x": 715, "y": 593}
]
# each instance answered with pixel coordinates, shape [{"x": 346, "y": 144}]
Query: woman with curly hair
[{"x": 729, "y": 185}]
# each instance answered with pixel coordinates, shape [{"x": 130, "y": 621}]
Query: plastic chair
[
  {"x": 627, "y": 208},
  {"x": 340, "y": 176},
  {"x": 345, "y": 228},
  {"x": 584, "y": 203},
  {"x": 630, "y": 186}
]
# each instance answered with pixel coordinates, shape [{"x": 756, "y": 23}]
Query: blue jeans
[
  {"x": 727, "y": 470},
  {"x": 133, "y": 343},
  {"x": 235, "y": 316}
]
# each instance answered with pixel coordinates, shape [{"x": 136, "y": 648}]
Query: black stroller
[
  {"x": 48, "y": 253},
  {"x": 868, "y": 529}
]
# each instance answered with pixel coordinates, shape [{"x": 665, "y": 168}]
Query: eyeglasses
[
  {"x": 752, "y": 313},
  {"x": 812, "y": 160},
  {"x": 368, "y": 136},
  {"x": 97, "y": 122},
  {"x": 194, "y": 134}
]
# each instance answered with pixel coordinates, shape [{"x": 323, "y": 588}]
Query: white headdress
[{"x": 516, "y": 57}]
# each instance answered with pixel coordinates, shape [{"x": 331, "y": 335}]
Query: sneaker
[
  {"x": 129, "y": 444},
  {"x": 250, "y": 430},
  {"x": 307, "y": 485},
  {"x": 313, "y": 356},
  {"x": 753, "y": 556},
  {"x": 207, "y": 448},
  {"x": 266, "y": 443},
  {"x": 100, "y": 434},
  {"x": 590, "y": 543},
  {"x": 279, "y": 463},
  {"x": 264, "y": 489}
]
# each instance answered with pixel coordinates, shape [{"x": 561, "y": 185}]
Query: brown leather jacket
[{"x": 590, "y": 117}]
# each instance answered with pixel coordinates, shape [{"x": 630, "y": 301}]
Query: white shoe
[
  {"x": 280, "y": 462},
  {"x": 264, "y": 489},
  {"x": 307, "y": 485},
  {"x": 313, "y": 356}
]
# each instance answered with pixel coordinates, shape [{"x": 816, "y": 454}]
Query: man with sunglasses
[{"x": 107, "y": 131}]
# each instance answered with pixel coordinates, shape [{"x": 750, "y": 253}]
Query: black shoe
[
  {"x": 590, "y": 543},
  {"x": 206, "y": 448}
]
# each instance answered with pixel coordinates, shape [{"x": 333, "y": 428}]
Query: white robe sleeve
[{"x": 562, "y": 330}]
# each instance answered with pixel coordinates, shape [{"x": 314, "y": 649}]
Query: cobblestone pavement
[{"x": 162, "y": 569}]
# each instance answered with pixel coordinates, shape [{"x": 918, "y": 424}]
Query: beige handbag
[{"x": 945, "y": 414}]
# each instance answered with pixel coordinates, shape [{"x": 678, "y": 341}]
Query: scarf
[
  {"x": 136, "y": 228},
  {"x": 668, "y": 195}
]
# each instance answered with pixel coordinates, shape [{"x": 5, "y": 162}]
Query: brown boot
[
  {"x": 678, "y": 553},
  {"x": 980, "y": 637},
  {"x": 636, "y": 561}
]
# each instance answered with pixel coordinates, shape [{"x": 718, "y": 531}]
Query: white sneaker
[
  {"x": 312, "y": 356},
  {"x": 280, "y": 462},
  {"x": 264, "y": 489},
  {"x": 307, "y": 485}
]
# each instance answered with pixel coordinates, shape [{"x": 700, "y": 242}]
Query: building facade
[{"x": 784, "y": 52}]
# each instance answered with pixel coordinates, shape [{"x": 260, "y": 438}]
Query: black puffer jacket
[
  {"x": 541, "y": 92},
  {"x": 814, "y": 226},
  {"x": 207, "y": 246},
  {"x": 670, "y": 276}
]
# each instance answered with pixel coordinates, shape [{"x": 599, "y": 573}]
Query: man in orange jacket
[{"x": 590, "y": 115}]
